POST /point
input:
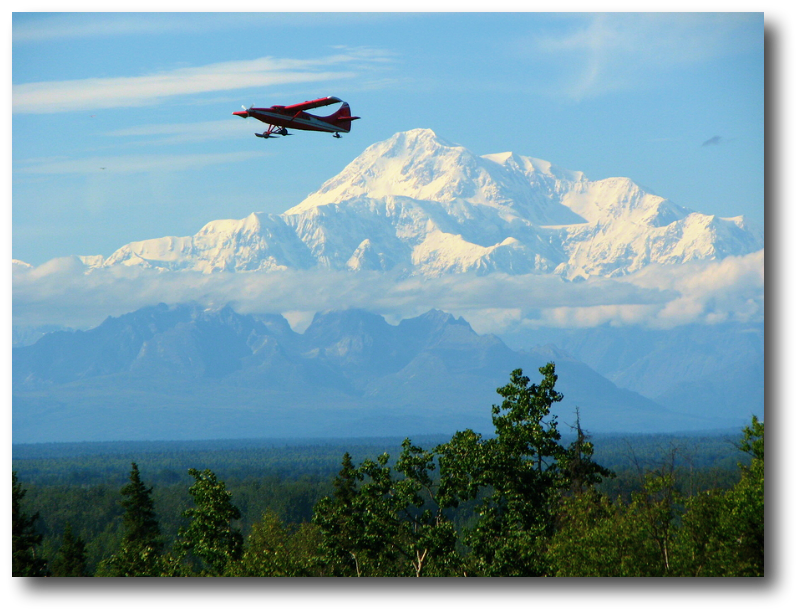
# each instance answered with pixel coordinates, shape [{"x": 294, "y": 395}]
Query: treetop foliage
[
  {"x": 521, "y": 502},
  {"x": 210, "y": 534}
]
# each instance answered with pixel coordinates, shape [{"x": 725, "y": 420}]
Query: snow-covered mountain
[{"x": 429, "y": 207}]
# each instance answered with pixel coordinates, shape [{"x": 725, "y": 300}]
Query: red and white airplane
[{"x": 281, "y": 117}]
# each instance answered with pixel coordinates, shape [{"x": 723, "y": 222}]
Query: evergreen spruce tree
[
  {"x": 24, "y": 537},
  {"x": 70, "y": 561},
  {"x": 579, "y": 470},
  {"x": 141, "y": 525},
  {"x": 392, "y": 525},
  {"x": 341, "y": 524},
  {"x": 140, "y": 551}
]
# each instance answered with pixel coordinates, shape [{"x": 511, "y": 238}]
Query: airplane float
[{"x": 294, "y": 116}]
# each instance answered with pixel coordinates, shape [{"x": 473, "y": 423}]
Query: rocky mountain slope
[{"x": 186, "y": 372}]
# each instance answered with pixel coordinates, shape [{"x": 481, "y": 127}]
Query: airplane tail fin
[{"x": 343, "y": 117}]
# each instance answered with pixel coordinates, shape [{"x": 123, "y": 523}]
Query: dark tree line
[
  {"x": 519, "y": 503},
  {"x": 25, "y": 560}
]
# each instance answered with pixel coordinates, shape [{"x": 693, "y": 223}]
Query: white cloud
[
  {"x": 179, "y": 133},
  {"x": 118, "y": 92},
  {"x": 708, "y": 292},
  {"x": 61, "y": 292},
  {"x": 728, "y": 290}
]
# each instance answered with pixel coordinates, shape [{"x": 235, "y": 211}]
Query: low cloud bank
[{"x": 64, "y": 292}]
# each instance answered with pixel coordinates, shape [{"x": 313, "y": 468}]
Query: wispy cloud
[
  {"x": 179, "y": 133},
  {"x": 608, "y": 52},
  {"x": 119, "y": 92}
]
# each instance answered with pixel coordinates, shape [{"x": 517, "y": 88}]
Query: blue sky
[{"x": 122, "y": 127}]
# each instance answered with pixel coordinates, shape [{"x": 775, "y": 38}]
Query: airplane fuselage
[
  {"x": 296, "y": 116},
  {"x": 298, "y": 121}
]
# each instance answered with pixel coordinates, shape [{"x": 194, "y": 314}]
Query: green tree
[
  {"x": 703, "y": 545},
  {"x": 25, "y": 560},
  {"x": 407, "y": 527},
  {"x": 519, "y": 473},
  {"x": 579, "y": 470},
  {"x": 722, "y": 533},
  {"x": 273, "y": 550},
  {"x": 393, "y": 524},
  {"x": 342, "y": 523},
  {"x": 139, "y": 554},
  {"x": 663, "y": 533},
  {"x": 595, "y": 538},
  {"x": 657, "y": 511},
  {"x": 384, "y": 521},
  {"x": 747, "y": 504},
  {"x": 141, "y": 525},
  {"x": 210, "y": 535},
  {"x": 598, "y": 538},
  {"x": 70, "y": 561}
]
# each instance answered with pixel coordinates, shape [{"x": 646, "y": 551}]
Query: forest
[{"x": 532, "y": 499}]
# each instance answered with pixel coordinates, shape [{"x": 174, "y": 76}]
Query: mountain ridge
[
  {"x": 418, "y": 203},
  {"x": 185, "y": 371}
]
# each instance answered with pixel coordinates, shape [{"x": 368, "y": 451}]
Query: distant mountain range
[
  {"x": 184, "y": 372},
  {"x": 416, "y": 206},
  {"x": 711, "y": 370},
  {"x": 425, "y": 206}
]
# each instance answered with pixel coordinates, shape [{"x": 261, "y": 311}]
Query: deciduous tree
[
  {"x": 519, "y": 472},
  {"x": 274, "y": 550},
  {"x": 211, "y": 535}
]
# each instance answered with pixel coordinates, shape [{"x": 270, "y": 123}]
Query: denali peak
[{"x": 420, "y": 204}]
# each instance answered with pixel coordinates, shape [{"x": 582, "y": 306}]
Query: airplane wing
[{"x": 312, "y": 104}]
